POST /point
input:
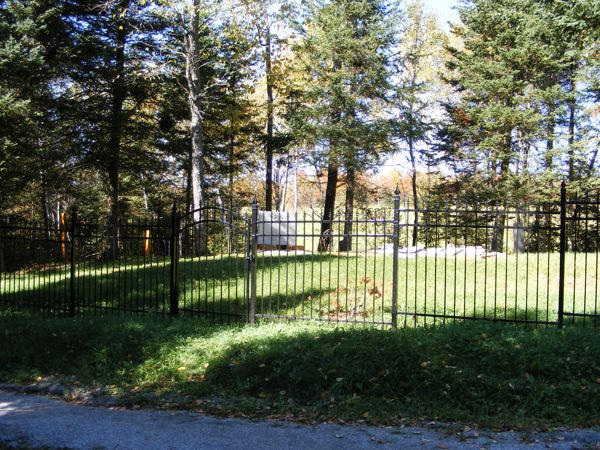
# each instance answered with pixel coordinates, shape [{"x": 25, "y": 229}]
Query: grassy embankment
[{"x": 481, "y": 373}]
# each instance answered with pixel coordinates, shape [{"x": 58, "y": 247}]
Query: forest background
[{"x": 120, "y": 107}]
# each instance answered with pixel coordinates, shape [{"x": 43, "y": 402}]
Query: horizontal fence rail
[{"x": 402, "y": 266}]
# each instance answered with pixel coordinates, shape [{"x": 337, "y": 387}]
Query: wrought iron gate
[{"x": 210, "y": 264}]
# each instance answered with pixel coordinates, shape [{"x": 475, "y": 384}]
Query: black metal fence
[{"x": 401, "y": 267}]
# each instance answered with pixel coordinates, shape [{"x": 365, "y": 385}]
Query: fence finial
[
  {"x": 254, "y": 201},
  {"x": 397, "y": 190}
]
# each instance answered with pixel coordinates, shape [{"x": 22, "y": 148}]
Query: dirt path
[{"x": 39, "y": 421}]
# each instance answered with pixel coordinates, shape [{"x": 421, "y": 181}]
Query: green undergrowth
[{"x": 492, "y": 375}]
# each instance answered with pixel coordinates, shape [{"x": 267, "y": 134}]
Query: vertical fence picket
[
  {"x": 562, "y": 251},
  {"x": 335, "y": 293},
  {"x": 174, "y": 264},
  {"x": 252, "y": 262},
  {"x": 396, "y": 248}
]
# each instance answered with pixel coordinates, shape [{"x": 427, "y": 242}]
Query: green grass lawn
[
  {"x": 354, "y": 287},
  {"x": 493, "y": 375}
]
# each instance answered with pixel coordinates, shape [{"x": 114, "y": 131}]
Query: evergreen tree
[
  {"x": 34, "y": 141},
  {"x": 112, "y": 85},
  {"x": 343, "y": 57}
]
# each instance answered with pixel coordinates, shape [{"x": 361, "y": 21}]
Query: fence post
[
  {"x": 174, "y": 288},
  {"x": 252, "y": 262},
  {"x": 72, "y": 297},
  {"x": 396, "y": 248},
  {"x": 562, "y": 248}
]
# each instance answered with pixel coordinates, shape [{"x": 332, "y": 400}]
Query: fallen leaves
[{"x": 374, "y": 291}]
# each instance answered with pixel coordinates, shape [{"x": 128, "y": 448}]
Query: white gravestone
[{"x": 276, "y": 229}]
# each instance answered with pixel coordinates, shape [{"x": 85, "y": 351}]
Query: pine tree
[
  {"x": 497, "y": 117},
  {"x": 344, "y": 61},
  {"x": 34, "y": 143}
]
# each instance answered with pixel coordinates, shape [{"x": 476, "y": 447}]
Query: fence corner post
[
  {"x": 174, "y": 288},
  {"x": 562, "y": 248},
  {"x": 72, "y": 296},
  {"x": 396, "y": 248},
  {"x": 252, "y": 262}
]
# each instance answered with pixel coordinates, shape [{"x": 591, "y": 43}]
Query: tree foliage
[{"x": 122, "y": 106}]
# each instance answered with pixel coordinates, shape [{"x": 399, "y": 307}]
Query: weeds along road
[{"x": 28, "y": 421}]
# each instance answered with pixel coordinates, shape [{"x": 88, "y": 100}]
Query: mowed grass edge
[{"x": 493, "y": 375}]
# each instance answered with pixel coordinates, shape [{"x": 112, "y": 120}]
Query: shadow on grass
[
  {"x": 482, "y": 372},
  {"x": 274, "y": 304},
  {"x": 102, "y": 350},
  {"x": 131, "y": 286},
  {"x": 491, "y": 374},
  {"x": 216, "y": 287}
]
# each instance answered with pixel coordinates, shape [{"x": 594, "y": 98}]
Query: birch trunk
[
  {"x": 269, "y": 149},
  {"x": 195, "y": 85}
]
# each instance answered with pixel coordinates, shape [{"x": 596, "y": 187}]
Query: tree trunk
[
  {"x": 284, "y": 189},
  {"x": 327, "y": 223},
  {"x": 188, "y": 187},
  {"x": 571, "y": 139},
  {"x": 46, "y": 212},
  {"x": 194, "y": 82},
  {"x": 231, "y": 157},
  {"x": 269, "y": 155},
  {"x": 413, "y": 162},
  {"x": 545, "y": 244},
  {"x": 525, "y": 160},
  {"x": 592, "y": 163},
  {"x": 497, "y": 244},
  {"x": 185, "y": 238},
  {"x": 550, "y": 137},
  {"x": 571, "y": 105},
  {"x": 346, "y": 242},
  {"x": 119, "y": 94},
  {"x": 56, "y": 219},
  {"x": 498, "y": 231},
  {"x": 296, "y": 190},
  {"x": 326, "y": 238}
]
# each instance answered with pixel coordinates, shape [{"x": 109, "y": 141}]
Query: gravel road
[{"x": 39, "y": 421}]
